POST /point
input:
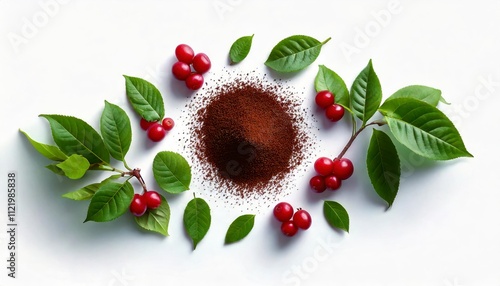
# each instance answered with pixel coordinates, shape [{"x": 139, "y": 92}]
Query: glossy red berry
[
  {"x": 317, "y": 184},
  {"x": 138, "y": 205},
  {"x": 283, "y": 211},
  {"x": 153, "y": 199},
  {"x": 334, "y": 112},
  {"x": 323, "y": 166},
  {"x": 181, "y": 70},
  {"x": 168, "y": 123},
  {"x": 146, "y": 124},
  {"x": 194, "y": 81},
  {"x": 324, "y": 99},
  {"x": 184, "y": 53},
  {"x": 302, "y": 219},
  {"x": 201, "y": 63},
  {"x": 343, "y": 168},
  {"x": 156, "y": 132},
  {"x": 332, "y": 182},
  {"x": 288, "y": 228}
]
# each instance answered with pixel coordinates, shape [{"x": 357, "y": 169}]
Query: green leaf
[
  {"x": 85, "y": 193},
  {"x": 424, "y": 129},
  {"x": 240, "y": 48},
  {"x": 156, "y": 220},
  {"x": 116, "y": 130},
  {"x": 384, "y": 167},
  {"x": 172, "y": 172},
  {"x": 420, "y": 92},
  {"x": 48, "y": 151},
  {"x": 197, "y": 220},
  {"x": 110, "y": 201},
  {"x": 326, "y": 79},
  {"x": 56, "y": 170},
  {"x": 239, "y": 228},
  {"x": 75, "y": 136},
  {"x": 145, "y": 98},
  {"x": 74, "y": 167},
  {"x": 336, "y": 215},
  {"x": 366, "y": 93},
  {"x": 294, "y": 53}
]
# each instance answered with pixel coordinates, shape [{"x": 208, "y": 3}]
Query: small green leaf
[
  {"x": 239, "y": 228},
  {"x": 85, "y": 193},
  {"x": 327, "y": 79},
  {"x": 424, "y": 129},
  {"x": 240, "y": 49},
  {"x": 145, "y": 98},
  {"x": 110, "y": 201},
  {"x": 294, "y": 53},
  {"x": 366, "y": 93},
  {"x": 156, "y": 220},
  {"x": 197, "y": 220},
  {"x": 116, "y": 130},
  {"x": 336, "y": 215},
  {"x": 384, "y": 167},
  {"x": 56, "y": 170},
  {"x": 75, "y": 136},
  {"x": 172, "y": 172},
  {"x": 74, "y": 167},
  {"x": 420, "y": 92},
  {"x": 48, "y": 151}
]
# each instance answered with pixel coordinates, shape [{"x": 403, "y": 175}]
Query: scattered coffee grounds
[{"x": 248, "y": 135}]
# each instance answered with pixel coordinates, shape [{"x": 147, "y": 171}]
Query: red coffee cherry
[
  {"x": 302, "y": 219},
  {"x": 324, "y": 99},
  {"x": 181, "y": 70},
  {"x": 343, "y": 168},
  {"x": 201, "y": 63},
  {"x": 317, "y": 184},
  {"x": 138, "y": 205},
  {"x": 184, "y": 53},
  {"x": 153, "y": 199},
  {"x": 323, "y": 166},
  {"x": 288, "y": 228},
  {"x": 194, "y": 81},
  {"x": 334, "y": 112},
  {"x": 283, "y": 211},
  {"x": 156, "y": 132}
]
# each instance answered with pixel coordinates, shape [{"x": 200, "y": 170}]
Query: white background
[{"x": 68, "y": 57}]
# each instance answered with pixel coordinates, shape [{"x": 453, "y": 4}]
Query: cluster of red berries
[
  {"x": 190, "y": 67},
  {"x": 141, "y": 203},
  {"x": 331, "y": 173},
  {"x": 291, "y": 222},
  {"x": 326, "y": 100},
  {"x": 156, "y": 131}
]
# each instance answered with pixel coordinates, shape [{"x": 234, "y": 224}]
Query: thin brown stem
[{"x": 355, "y": 135}]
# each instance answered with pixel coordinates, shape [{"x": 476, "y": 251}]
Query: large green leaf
[
  {"x": 366, "y": 94},
  {"x": 75, "y": 136},
  {"x": 424, "y": 129},
  {"x": 48, "y": 151},
  {"x": 156, "y": 220},
  {"x": 336, "y": 215},
  {"x": 172, "y": 172},
  {"x": 110, "y": 201},
  {"x": 145, "y": 98},
  {"x": 424, "y": 93},
  {"x": 75, "y": 166},
  {"x": 384, "y": 167},
  {"x": 240, "y": 228},
  {"x": 197, "y": 220},
  {"x": 116, "y": 130},
  {"x": 327, "y": 79}
]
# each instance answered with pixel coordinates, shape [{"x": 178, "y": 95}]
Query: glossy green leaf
[
  {"x": 48, "y": 151},
  {"x": 75, "y": 166},
  {"x": 384, "y": 167},
  {"x": 197, "y": 220},
  {"x": 336, "y": 215},
  {"x": 75, "y": 136},
  {"x": 172, "y": 172},
  {"x": 294, "y": 53},
  {"x": 116, "y": 130},
  {"x": 85, "y": 193},
  {"x": 366, "y": 94},
  {"x": 110, "y": 201},
  {"x": 424, "y": 93},
  {"x": 145, "y": 98},
  {"x": 327, "y": 79},
  {"x": 240, "y": 48},
  {"x": 156, "y": 220},
  {"x": 240, "y": 228},
  {"x": 424, "y": 129}
]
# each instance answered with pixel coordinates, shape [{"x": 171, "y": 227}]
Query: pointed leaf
[
  {"x": 48, "y": 151},
  {"x": 171, "y": 172},
  {"x": 85, "y": 193},
  {"x": 197, "y": 220},
  {"x": 424, "y": 129},
  {"x": 366, "y": 94},
  {"x": 294, "y": 53},
  {"x": 116, "y": 130},
  {"x": 75, "y": 136},
  {"x": 110, "y": 201},
  {"x": 240, "y": 228},
  {"x": 74, "y": 167},
  {"x": 240, "y": 49},
  {"x": 145, "y": 98},
  {"x": 156, "y": 220},
  {"x": 336, "y": 215},
  {"x": 420, "y": 92},
  {"x": 327, "y": 79},
  {"x": 384, "y": 167},
  {"x": 56, "y": 170}
]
